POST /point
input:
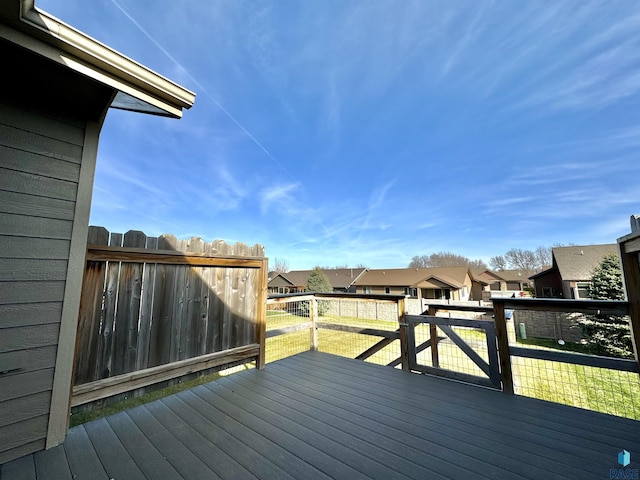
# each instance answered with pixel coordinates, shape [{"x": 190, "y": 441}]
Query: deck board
[
  {"x": 315, "y": 415},
  {"x": 82, "y": 457},
  {"x": 473, "y": 428}
]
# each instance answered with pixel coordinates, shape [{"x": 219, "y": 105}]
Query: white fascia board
[{"x": 96, "y": 60}]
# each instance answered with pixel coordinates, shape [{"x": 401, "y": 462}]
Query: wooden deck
[{"x": 315, "y": 415}]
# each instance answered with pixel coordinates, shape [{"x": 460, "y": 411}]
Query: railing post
[
  {"x": 261, "y": 316},
  {"x": 405, "y": 334},
  {"x": 313, "y": 315},
  {"x": 504, "y": 354},
  {"x": 629, "y": 250},
  {"x": 433, "y": 338}
]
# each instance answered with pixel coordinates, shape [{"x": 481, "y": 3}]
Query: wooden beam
[
  {"x": 290, "y": 299},
  {"x": 433, "y": 337},
  {"x": 169, "y": 257},
  {"x": 631, "y": 278},
  {"x": 492, "y": 354},
  {"x": 290, "y": 329},
  {"x": 403, "y": 334},
  {"x": 621, "y": 364},
  {"x": 461, "y": 377},
  {"x": 632, "y": 245},
  {"x": 468, "y": 351},
  {"x": 364, "y": 331},
  {"x": 455, "y": 322},
  {"x": 459, "y": 308},
  {"x": 62, "y": 382},
  {"x": 504, "y": 354},
  {"x": 108, "y": 387},
  {"x": 313, "y": 330},
  {"x": 376, "y": 348},
  {"x": 610, "y": 307},
  {"x": 261, "y": 313}
]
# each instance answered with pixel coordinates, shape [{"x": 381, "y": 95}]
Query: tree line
[{"x": 513, "y": 259}]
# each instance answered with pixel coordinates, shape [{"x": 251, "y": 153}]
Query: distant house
[
  {"x": 57, "y": 85},
  {"x": 570, "y": 274},
  {"x": 447, "y": 283},
  {"x": 341, "y": 279},
  {"x": 500, "y": 283}
]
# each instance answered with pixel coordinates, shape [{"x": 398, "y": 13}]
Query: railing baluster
[
  {"x": 504, "y": 354},
  {"x": 433, "y": 339},
  {"x": 406, "y": 335},
  {"x": 313, "y": 315}
]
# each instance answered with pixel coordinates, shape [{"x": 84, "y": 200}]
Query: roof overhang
[
  {"x": 434, "y": 281},
  {"x": 139, "y": 88}
]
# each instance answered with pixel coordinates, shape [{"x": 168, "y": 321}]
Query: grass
[
  {"x": 603, "y": 390},
  {"x": 84, "y": 417}
]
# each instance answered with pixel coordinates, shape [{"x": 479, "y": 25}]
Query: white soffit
[{"x": 139, "y": 88}]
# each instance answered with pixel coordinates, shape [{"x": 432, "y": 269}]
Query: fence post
[
  {"x": 433, "y": 338},
  {"x": 313, "y": 315},
  {"x": 404, "y": 334},
  {"x": 504, "y": 354},
  {"x": 629, "y": 249},
  {"x": 261, "y": 320}
]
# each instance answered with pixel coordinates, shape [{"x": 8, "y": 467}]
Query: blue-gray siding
[{"x": 39, "y": 172}]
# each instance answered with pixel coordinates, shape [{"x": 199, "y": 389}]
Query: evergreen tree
[
  {"x": 609, "y": 335},
  {"x": 318, "y": 283}
]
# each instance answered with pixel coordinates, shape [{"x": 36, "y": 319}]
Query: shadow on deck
[{"x": 315, "y": 415}]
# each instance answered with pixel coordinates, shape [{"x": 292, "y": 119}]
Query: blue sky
[{"x": 366, "y": 132}]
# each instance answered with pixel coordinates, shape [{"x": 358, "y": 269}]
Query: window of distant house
[
  {"x": 547, "y": 292},
  {"x": 495, "y": 286},
  {"x": 412, "y": 292},
  {"x": 387, "y": 290},
  {"x": 582, "y": 290},
  {"x": 283, "y": 289},
  {"x": 366, "y": 290}
]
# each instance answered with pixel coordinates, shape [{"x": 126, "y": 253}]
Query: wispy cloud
[{"x": 278, "y": 197}]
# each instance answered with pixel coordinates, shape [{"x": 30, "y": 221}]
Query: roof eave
[{"x": 54, "y": 39}]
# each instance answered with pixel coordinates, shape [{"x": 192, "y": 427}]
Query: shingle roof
[
  {"x": 514, "y": 275},
  {"x": 489, "y": 276},
  {"x": 411, "y": 277},
  {"x": 578, "y": 262},
  {"x": 338, "y": 277}
]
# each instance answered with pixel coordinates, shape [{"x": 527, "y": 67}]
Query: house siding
[{"x": 40, "y": 160}]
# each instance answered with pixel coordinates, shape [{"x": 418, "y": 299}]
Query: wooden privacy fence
[{"x": 153, "y": 309}]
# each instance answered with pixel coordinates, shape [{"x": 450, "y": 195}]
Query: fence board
[
  {"x": 146, "y": 309},
  {"x": 128, "y": 308},
  {"x": 105, "y": 351},
  {"x": 183, "y": 300}
]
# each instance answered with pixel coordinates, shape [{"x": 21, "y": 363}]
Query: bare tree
[
  {"x": 519, "y": 259},
  {"x": 543, "y": 257},
  {"x": 280, "y": 265},
  {"x": 444, "y": 259},
  {"x": 498, "y": 262}
]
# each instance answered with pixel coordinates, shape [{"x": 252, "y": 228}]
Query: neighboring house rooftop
[
  {"x": 489, "y": 276},
  {"x": 340, "y": 278},
  {"x": 409, "y": 277},
  {"x": 578, "y": 262},
  {"x": 514, "y": 275}
]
